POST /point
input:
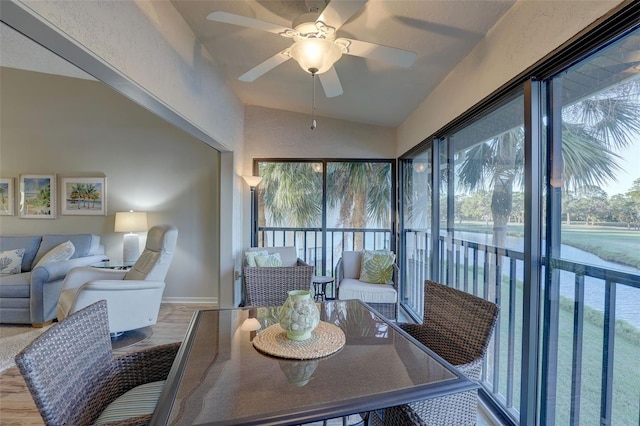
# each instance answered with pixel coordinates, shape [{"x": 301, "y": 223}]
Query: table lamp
[{"x": 130, "y": 222}]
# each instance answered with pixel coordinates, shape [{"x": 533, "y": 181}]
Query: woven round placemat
[{"x": 325, "y": 340}]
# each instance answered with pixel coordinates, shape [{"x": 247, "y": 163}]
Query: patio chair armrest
[
  {"x": 146, "y": 366},
  {"x": 302, "y": 263},
  {"x": 395, "y": 276},
  {"x": 339, "y": 274}
]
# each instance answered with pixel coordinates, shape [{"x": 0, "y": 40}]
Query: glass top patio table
[{"x": 219, "y": 378}]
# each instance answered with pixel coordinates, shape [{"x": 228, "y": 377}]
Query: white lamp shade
[
  {"x": 316, "y": 54},
  {"x": 131, "y": 222},
  {"x": 250, "y": 324},
  {"x": 252, "y": 181}
]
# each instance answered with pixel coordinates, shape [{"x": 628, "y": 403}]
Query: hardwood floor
[{"x": 17, "y": 406}]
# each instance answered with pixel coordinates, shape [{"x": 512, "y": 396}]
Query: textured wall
[
  {"x": 529, "y": 31},
  {"x": 150, "y": 43},
  {"x": 271, "y": 133}
]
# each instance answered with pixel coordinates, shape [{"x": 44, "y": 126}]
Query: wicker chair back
[
  {"x": 72, "y": 374},
  {"x": 66, "y": 366}
]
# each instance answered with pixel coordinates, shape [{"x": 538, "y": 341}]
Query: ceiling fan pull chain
[{"x": 313, "y": 101}]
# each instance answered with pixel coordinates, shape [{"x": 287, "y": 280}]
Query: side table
[
  {"x": 107, "y": 265},
  {"x": 320, "y": 286}
]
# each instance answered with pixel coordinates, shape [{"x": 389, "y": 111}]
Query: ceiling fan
[{"x": 315, "y": 46}]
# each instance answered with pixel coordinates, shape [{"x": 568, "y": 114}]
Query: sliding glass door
[
  {"x": 591, "y": 335},
  {"x": 467, "y": 218},
  {"x": 325, "y": 207}
]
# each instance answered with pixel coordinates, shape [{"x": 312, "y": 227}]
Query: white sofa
[{"x": 381, "y": 297}]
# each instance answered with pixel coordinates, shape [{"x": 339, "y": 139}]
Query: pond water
[{"x": 627, "y": 298}]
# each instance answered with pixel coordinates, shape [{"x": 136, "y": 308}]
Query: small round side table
[{"x": 320, "y": 287}]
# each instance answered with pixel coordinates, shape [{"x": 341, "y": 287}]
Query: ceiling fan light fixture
[{"x": 316, "y": 55}]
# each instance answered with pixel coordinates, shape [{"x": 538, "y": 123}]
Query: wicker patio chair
[
  {"x": 348, "y": 285},
  {"x": 268, "y": 286},
  {"x": 72, "y": 374},
  {"x": 457, "y": 326}
]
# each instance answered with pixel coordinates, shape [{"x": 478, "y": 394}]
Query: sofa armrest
[{"x": 58, "y": 270}]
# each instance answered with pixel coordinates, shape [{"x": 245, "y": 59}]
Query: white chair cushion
[
  {"x": 288, "y": 255},
  {"x": 139, "y": 401},
  {"x": 351, "y": 288},
  {"x": 351, "y": 261}
]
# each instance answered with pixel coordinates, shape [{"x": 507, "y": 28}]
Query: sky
[{"x": 630, "y": 164}]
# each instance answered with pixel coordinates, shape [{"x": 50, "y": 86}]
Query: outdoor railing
[
  {"x": 497, "y": 274},
  {"x": 311, "y": 243},
  {"x": 586, "y": 303}
]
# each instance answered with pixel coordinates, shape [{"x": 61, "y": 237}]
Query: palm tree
[
  {"x": 290, "y": 194},
  {"x": 361, "y": 191},
  {"x": 76, "y": 194},
  {"x": 591, "y": 130}
]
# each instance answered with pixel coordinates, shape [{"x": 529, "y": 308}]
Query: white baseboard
[{"x": 204, "y": 300}]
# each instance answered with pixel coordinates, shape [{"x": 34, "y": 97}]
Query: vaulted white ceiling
[{"x": 440, "y": 32}]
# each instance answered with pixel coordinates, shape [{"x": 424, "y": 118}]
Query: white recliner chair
[{"x": 133, "y": 297}]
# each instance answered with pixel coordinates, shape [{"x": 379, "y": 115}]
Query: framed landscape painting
[
  {"x": 84, "y": 196},
  {"x": 38, "y": 196},
  {"x": 7, "y": 197}
]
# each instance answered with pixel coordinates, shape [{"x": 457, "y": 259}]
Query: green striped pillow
[
  {"x": 139, "y": 401},
  {"x": 250, "y": 257},
  {"x": 268, "y": 261}
]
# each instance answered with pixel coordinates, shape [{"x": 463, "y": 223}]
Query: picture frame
[
  {"x": 7, "y": 197},
  {"x": 86, "y": 196},
  {"x": 37, "y": 196}
]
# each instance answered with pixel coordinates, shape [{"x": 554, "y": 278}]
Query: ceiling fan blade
[
  {"x": 243, "y": 21},
  {"x": 331, "y": 83},
  {"x": 390, "y": 55},
  {"x": 264, "y": 67},
  {"x": 338, "y": 12}
]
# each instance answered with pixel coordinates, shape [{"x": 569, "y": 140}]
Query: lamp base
[{"x": 130, "y": 249}]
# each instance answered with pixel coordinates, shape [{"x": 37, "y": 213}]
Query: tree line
[{"x": 589, "y": 205}]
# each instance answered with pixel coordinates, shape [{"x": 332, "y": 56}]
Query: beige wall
[
  {"x": 71, "y": 127},
  {"x": 528, "y": 32},
  {"x": 271, "y": 133}
]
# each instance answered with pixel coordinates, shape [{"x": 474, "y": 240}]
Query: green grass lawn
[
  {"x": 615, "y": 244},
  {"x": 619, "y": 245},
  {"x": 626, "y": 384}
]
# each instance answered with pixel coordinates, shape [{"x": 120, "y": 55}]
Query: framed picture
[
  {"x": 84, "y": 196},
  {"x": 7, "y": 197},
  {"x": 38, "y": 196}
]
